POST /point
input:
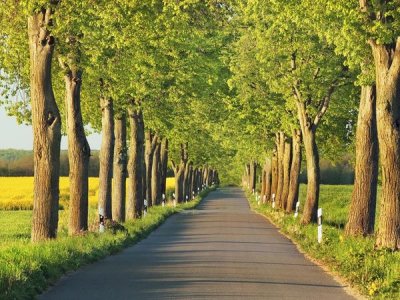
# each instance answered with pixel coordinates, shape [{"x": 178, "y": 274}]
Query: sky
[{"x": 17, "y": 136}]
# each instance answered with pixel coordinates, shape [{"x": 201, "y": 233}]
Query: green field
[{"x": 375, "y": 273}]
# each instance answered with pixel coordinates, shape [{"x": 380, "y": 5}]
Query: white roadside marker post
[
  {"x": 187, "y": 197},
  {"x": 101, "y": 220},
  {"x": 174, "y": 200},
  {"x": 273, "y": 200},
  {"x": 253, "y": 191},
  {"x": 145, "y": 208},
  {"x": 163, "y": 200},
  {"x": 264, "y": 199},
  {"x": 193, "y": 196},
  {"x": 320, "y": 225},
  {"x": 296, "y": 213}
]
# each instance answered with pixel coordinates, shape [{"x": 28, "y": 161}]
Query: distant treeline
[
  {"x": 341, "y": 172},
  {"x": 20, "y": 163},
  {"x": 338, "y": 173}
]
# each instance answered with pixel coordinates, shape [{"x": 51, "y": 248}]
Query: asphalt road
[{"x": 221, "y": 250}]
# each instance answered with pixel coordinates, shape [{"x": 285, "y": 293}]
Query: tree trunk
[
  {"x": 151, "y": 143},
  {"x": 164, "y": 165},
  {"x": 268, "y": 173},
  {"x": 294, "y": 172},
  {"x": 78, "y": 156},
  {"x": 200, "y": 178},
  {"x": 287, "y": 157},
  {"x": 119, "y": 171},
  {"x": 387, "y": 63},
  {"x": 363, "y": 204},
  {"x": 155, "y": 176},
  {"x": 187, "y": 181},
  {"x": 247, "y": 176},
  {"x": 253, "y": 176},
  {"x": 190, "y": 186},
  {"x": 46, "y": 123},
  {"x": 179, "y": 174},
  {"x": 263, "y": 183},
  {"x": 280, "y": 139},
  {"x": 193, "y": 183},
  {"x": 136, "y": 164},
  {"x": 274, "y": 174},
  {"x": 205, "y": 176},
  {"x": 313, "y": 177},
  {"x": 106, "y": 157},
  {"x": 179, "y": 171}
]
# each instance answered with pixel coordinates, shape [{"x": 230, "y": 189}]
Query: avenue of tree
[{"x": 204, "y": 86}]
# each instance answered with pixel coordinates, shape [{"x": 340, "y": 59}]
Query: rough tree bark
[
  {"x": 263, "y": 183},
  {"x": 119, "y": 170},
  {"x": 156, "y": 176},
  {"x": 201, "y": 178},
  {"x": 136, "y": 164},
  {"x": 268, "y": 174},
  {"x": 280, "y": 145},
  {"x": 78, "y": 155},
  {"x": 106, "y": 156},
  {"x": 193, "y": 183},
  {"x": 205, "y": 176},
  {"x": 363, "y": 204},
  {"x": 274, "y": 173},
  {"x": 187, "y": 181},
  {"x": 151, "y": 143},
  {"x": 164, "y": 165},
  {"x": 313, "y": 177},
  {"x": 294, "y": 172},
  {"x": 287, "y": 157},
  {"x": 387, "y": 64},
  {"x": 46, "y": 123}
]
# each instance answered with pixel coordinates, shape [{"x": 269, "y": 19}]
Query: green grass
[
  {"x": 375, "y": 273},
  {"x": 27, "y": 269}
]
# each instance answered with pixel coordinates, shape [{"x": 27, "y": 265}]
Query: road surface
[{"x": 221, "y": 250}]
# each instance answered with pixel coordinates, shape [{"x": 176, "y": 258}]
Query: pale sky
[{"x": 17, "y": 136}]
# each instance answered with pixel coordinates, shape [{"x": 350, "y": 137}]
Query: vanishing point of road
[{"x": 220, "y": 250}]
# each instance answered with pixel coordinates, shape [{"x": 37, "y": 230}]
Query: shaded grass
[
  {"x": 375, "y": 273},
  {"x": 27, "y": 269}
]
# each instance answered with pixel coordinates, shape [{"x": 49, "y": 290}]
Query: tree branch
[
  {"x": 325, "y": 104},
  {"x": 154, "y": 142},
  {"x": 174, "y": 166},
  {"x": 395, "y": 67}
]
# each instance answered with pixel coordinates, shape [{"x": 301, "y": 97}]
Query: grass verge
[
  {"x": 374, "y": 273},
  {"x": 27, "y": 269}
]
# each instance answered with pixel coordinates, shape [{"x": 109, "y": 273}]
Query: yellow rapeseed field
[
  {"x": 16, "y": 193},
  {"x": 170, "y": 183}
]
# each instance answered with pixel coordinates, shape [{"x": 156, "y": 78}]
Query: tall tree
[
  {"x": 46, "y": 124},
  {"x": 119, "y": 169},
  {"x": 106, "y": 156},
  {"x": 136, "y": 164}
]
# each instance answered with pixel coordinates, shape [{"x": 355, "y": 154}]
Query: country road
[{"x": 221, "y": 250}]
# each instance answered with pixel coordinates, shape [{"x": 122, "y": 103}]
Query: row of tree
[
  {"x": 298, "y": 66},
  {"x": 236, "y": 79},
  {"x": 279, "y": 174},
  {"x": 152, "y": 64}
]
